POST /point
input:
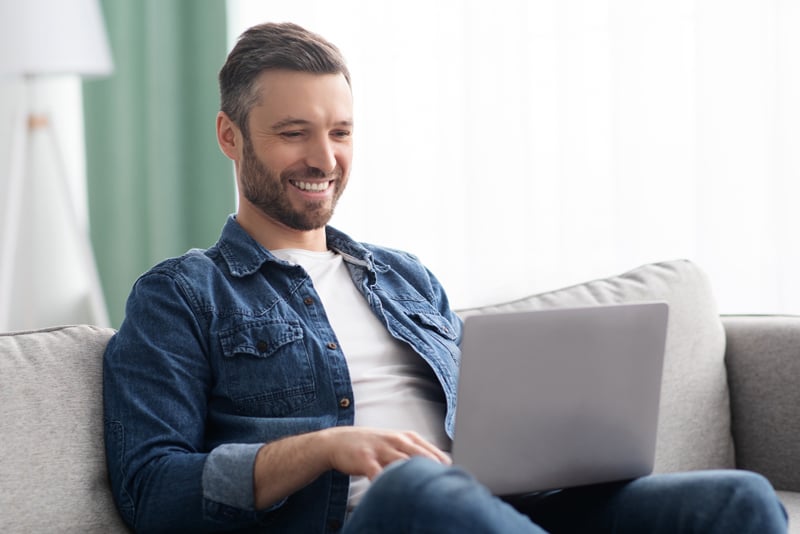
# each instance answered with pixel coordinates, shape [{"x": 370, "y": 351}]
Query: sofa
[{"x": 730, "y": 399}]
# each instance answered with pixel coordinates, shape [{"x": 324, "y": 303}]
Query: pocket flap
[
  {"x": 434, "y": 322},
  {"x": 259, "y": 339}
]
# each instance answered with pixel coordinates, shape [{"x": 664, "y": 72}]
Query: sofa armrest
[{"x": 763, "y": 363}]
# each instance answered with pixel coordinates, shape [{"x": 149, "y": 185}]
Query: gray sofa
[{"x": 729, "y": 399}]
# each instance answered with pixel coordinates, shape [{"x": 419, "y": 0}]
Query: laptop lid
[{"x": 558, "y": 398}]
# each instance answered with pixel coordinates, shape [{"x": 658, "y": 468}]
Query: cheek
[
  {"x": 279, "y": 156},
  {"x": 344, "y": 158}
]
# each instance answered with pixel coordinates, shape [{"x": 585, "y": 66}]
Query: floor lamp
[{"x": 48, "y": 274}]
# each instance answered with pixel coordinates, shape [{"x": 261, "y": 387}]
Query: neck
[{"x": 274, "y": 235}]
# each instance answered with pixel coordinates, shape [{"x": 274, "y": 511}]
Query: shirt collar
[{"x": 245, "y": 256}]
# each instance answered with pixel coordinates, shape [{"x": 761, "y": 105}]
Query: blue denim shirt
[{"x": 224, "y": 349}]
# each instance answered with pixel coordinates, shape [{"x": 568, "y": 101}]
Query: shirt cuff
[{"x": 228, "y": 475}]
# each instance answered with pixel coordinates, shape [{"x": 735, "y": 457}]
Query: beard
[{"x": 267, "y": 190}]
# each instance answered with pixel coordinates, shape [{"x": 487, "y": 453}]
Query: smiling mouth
[{"x": 313, "y": 187}]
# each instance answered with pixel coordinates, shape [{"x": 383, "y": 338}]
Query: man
[{"x": 290, "y": 379}]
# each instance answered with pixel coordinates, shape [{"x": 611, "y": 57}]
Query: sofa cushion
[
  {"x": 694, "y": 429},
  {"x": 791, "y": 501},
  {"x": 52, "y": 460}
]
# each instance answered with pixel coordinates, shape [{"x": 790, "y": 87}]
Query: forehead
[{"x": 311, "y": 97}]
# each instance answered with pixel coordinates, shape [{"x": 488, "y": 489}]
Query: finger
[
  {"x": 429, "y": 449},
  {"x": 373, "y": 469}
]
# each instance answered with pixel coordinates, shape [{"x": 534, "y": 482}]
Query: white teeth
[{"x": 306, "y": 186}]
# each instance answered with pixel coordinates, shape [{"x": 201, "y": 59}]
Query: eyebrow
[{"x": 292, "y": 121}]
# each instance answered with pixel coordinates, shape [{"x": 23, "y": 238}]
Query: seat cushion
[
  {"x": 52, "y": 460},
  {"x": 694, "y": 429},
  {"x": 791, "y": 501}
]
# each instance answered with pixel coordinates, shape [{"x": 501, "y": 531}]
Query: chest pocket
[{"x": 266, "y": 369}]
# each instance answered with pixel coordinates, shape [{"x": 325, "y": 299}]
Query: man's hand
[
  {"x": 366, "y": 451},
  {"x": 284, "y": 466}
]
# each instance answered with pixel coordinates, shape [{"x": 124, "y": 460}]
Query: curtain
[
  {"x": 157, "y": 182},
  {"x": 522, "y": 145}
]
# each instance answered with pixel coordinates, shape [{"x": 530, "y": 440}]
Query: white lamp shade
[{"x": 53, "y": 37}]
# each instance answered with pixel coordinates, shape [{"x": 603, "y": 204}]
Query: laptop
[{"x": 559, "y": 398}]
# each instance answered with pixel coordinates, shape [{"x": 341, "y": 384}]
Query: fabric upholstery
[
  {"x": 763, "y": 359},
  {"x": 791, "y": 501},
  {"x": 694, "y": 429},
  {"x": 51, "y": 446}
]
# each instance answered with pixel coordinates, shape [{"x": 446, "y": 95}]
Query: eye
[
  {"x": 341, "y": 134},
  {"x": 291, "y": 134}
]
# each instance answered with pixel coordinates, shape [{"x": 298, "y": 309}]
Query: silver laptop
[{"x": 560, "y": 398}]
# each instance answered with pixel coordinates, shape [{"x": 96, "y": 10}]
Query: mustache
[{"x": 312, "y": 173}]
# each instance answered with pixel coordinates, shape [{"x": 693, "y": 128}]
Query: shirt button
[
  {"x": 262, "y": 346},
  {"x": 344, "y": 402},
  {"x": 308, "y": 301},
  {"x": 332, "y": 345},
  {"x": 334, "y": 524}
]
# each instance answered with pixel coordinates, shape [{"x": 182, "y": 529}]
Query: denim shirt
[{"x": 225, "y": 349}]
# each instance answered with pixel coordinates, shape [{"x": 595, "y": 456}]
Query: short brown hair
[{"x": 272, "y": 46}]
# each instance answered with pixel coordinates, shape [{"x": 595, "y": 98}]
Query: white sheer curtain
[{"x": 519, "y": 146}]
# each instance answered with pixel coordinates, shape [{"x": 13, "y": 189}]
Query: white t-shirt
[{"x": 393, "y": 387}]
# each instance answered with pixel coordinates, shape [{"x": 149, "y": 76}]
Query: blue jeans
[{"x": 421, "y": 496}]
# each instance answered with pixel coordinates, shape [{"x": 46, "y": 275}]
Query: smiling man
[
  {"x": 291, "y": 379},
  {"x": 293, "y": 158}
]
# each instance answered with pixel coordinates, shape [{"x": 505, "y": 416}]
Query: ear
[{"x": 229, "y": 137}]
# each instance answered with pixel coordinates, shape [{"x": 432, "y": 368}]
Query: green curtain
[{"x": 158, "y": 183}]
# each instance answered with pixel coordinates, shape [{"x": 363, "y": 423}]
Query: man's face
[{"x": 296, "y": 160}]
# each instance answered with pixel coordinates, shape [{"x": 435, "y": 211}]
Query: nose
[{"x": 322, "y": 155}]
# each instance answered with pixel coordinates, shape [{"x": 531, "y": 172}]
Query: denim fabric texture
[
  {"x": 227, "y": 348},
  {"x": 428, "y": 498}
]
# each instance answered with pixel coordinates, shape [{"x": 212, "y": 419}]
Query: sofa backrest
[
  {"x": 52, "y": 462},
  {"x": 694, "y": 430}
]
